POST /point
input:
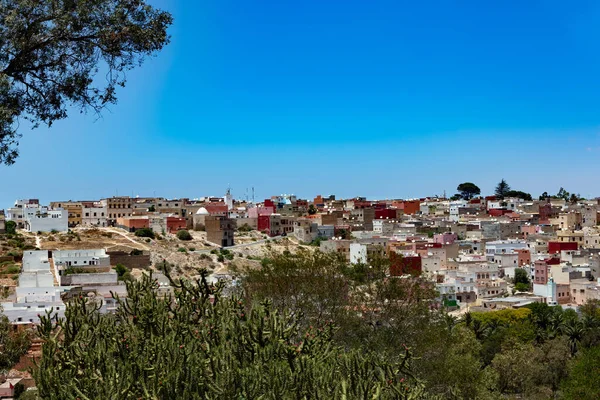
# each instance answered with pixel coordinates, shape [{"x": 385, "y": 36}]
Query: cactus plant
[{"x": 197, "y": 344}]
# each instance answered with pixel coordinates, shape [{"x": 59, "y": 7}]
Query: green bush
[
  {"x": 10, "y": 227},
  {"x": 201, "y": 345},
  {"x": 184, "y": 235},
  {"x": 220, "y": 258},
  {"x": 13, "y": 269},
  {"x": 245, "y": 228},
  {"x": 182, "y": 250},
  {"x": 145, "y": 232}
]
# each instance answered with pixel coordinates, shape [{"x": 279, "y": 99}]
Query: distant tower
[{"x": 228, "y": 199}]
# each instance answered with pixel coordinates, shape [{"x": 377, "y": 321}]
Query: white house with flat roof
[
  {"x": 36, "y": 292},
  {"x": 48, "y": 221},
  {"x": 80, "y": 258}
]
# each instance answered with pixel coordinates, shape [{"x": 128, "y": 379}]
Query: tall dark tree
[
  {"x": 60, "y": 53},
  {"x": 502, "y": 189},
  {"x": 562, "y": 194},
  {"x": 519, "y": 194},
  {"x": 468, "y": 190}
]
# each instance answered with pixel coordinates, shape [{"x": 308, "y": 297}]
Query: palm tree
[
  {"x": 480, "y": 329},
  {"x": 574, "y": 330}
]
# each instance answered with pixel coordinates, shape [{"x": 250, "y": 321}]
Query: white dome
[{"x": 202, "y": 211}]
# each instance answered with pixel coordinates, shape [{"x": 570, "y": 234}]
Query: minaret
[{"x": 228, "y": 199}]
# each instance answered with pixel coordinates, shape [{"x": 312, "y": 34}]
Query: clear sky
[{"x": 375, "y": 98}]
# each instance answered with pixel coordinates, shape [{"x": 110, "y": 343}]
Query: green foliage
[
  {"x": 182, "y": 250},
  {"x": 184, "y": 235},
  {"x": 151, "y": 208},
  {"x": 145, "y": 232},
  {"x": 519, "y": 194},
  {"x": 521, "y": 276},
  {"x": 196, "y": 344},
  {"x": 18, "y": 390},
  {"x": 123, "y": 272},
  {"x": 220, "y": 258},
  {"x": 502, "y": 189},
  {"x": 31, "y": 394},
  {"x": 136, "y": 252},
  {"x": 312, "y": 210},
  {"x": 13, "y": 269},
  {"x": 245, "y": 228},
  {"x": 582, "y": 381},
  {"x": 51, "y": 53},
  {"x": 13, "y": 344},
  {"x": 317, "y": 241},
  {"x": 562, "y": 194},
  {"x": 468, "y": 190},
  {"x": 10, "y": 227},
  {"x": 522, "y": 287}
]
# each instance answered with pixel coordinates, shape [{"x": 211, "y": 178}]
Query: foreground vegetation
[{"x": 307, "y": 326}]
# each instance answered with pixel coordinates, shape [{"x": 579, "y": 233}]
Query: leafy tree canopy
[
  {"x": 184, "y": 235},
  {"x": 468, "y": 190},
  {"x": 519, "y": 194},
  {"x": 58, "y": 53},
  {"x": 196, "y": 344}
]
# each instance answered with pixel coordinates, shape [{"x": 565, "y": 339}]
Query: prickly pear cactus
[{"x": 197, "y": 344}]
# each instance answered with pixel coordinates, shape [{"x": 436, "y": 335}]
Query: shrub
[
  {"x": 205, "y": 257},
  {"x": 184, "y": 235},
  {"x": 148, "y": 240},
  {"x": 230, "y": 351},
  {"x": 145, "y": 232},
  {"x": 13, "y": 269},
  {"x": 136, "y": 252},
  {"x": 245, "y": 228},
  {"x": 182, "y": 250},
  {"x": 220, "y": 258},
  {"x": 213, "y": 251},
  {"x": 192, "y": 249},
  {"x": 10, "y": 227}
]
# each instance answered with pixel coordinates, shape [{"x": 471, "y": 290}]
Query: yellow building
[{"x": 74, "y": 208}]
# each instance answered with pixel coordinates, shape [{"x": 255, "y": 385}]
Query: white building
[
  {"x": 358, "y": 253},
  {"x": 64, "y": 259},
  {"x": 36, "y": 293},
  {"x": 94, "y": 215},
  {"x": 23, "y": 209},
  {"x": 503, "y": 247},
  {"x": 50, "y": 220}
]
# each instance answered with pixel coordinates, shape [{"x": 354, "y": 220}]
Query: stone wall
[{"x": 128, "y": 260}]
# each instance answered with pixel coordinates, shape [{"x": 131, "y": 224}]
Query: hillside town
[
  {"x": 471, "y": 248},
  {"x": 482, "y": 253}
]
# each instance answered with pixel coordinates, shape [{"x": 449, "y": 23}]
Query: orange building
[
  {"x": 408, "y": 207},
  {"x": 132, "y": 224}
]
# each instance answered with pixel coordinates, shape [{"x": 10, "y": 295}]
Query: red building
[
  {"x": 498, "y": 212},
  {"x": 402, "y": 265},
  {"x": 557, "y": 247},
  {"x": 386, "y": 213},
  {"x": 524, "y": 257},
  {"x": 409, "y": 207},
  {"x": 175, "y": 224},
  {"x": 263, "y": 224}
]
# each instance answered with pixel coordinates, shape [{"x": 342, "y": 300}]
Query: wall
[
  {"x": 128, "y": 260},
  {"x": 107, "y": 278}
]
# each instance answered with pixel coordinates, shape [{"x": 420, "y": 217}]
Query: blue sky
[{"x": 375, "y": 98}]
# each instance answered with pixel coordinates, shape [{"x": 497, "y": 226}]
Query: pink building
[{"x": 445, "y": 238}]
